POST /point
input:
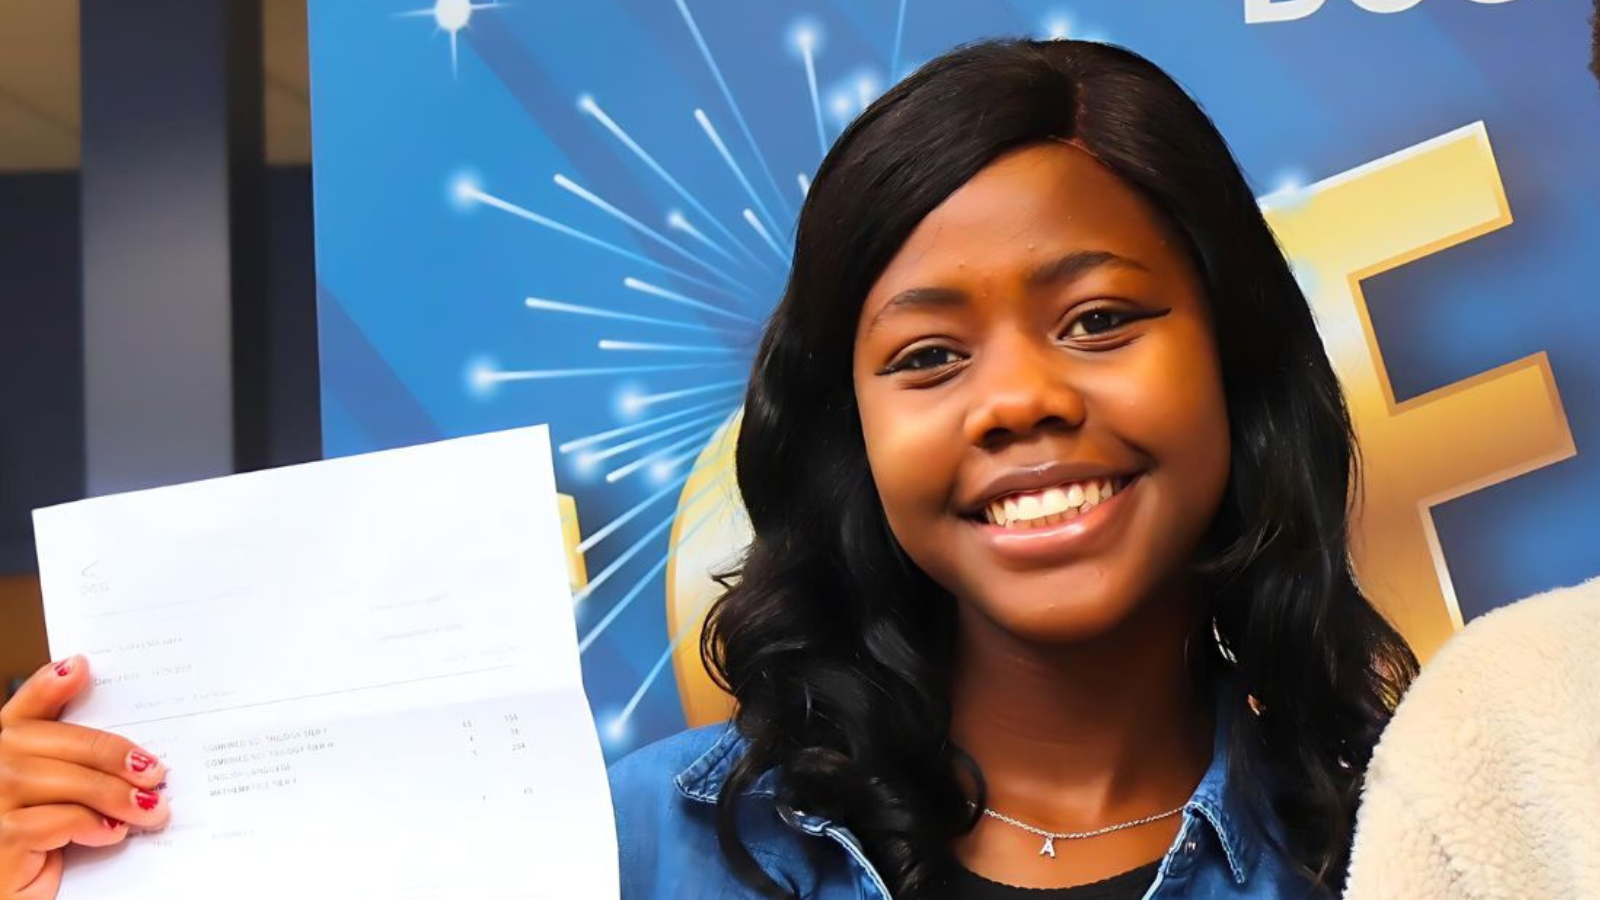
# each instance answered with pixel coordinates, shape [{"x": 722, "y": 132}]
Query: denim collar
[{"x": 1216, "y": 801}]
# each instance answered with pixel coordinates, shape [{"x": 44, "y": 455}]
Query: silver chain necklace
[{"x": 1050, "y": 837}]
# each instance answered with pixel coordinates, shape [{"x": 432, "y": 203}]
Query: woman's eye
[
  {"x": 925, "y": 358},
  {"x": 1096, "y": 322}
]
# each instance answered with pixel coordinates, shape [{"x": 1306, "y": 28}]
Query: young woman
[{"x": 1049, "y": 479}]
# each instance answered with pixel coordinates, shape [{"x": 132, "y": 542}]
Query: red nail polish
[
  {"x": 140, "y": 762},
  {"x": 111, "y": 823},
  {"x": 64, "y": 668},
  {"x": 146, "y": 800}
]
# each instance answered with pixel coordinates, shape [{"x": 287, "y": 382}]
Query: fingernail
[
  {"x": 111, "y": 823},
  {"x": 64, "y": 667},
  {"x": 146, "y": 800},
  {"x": 140, "y": 762}
]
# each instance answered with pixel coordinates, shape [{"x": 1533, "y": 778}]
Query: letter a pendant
[{"x": 1049, "y": 848}]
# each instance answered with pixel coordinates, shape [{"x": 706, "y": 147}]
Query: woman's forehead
[{"x": 1024, "y": 211}]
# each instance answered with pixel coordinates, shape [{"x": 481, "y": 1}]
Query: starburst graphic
[
  {"x": 697, "y": 276},
  {"x": 700, "y": 280},
  {"x": 451, "y": 17}
]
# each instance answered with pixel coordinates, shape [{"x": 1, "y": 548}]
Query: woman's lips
[
  {"x": 1050, "y": 504},
  {"x": 1059, "y": 538}
]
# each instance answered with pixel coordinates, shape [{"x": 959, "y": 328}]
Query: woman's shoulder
[
  {"x": 682, "y": 763},
  {"x": 659, "y": 823},
  {"x": 665, "y": 798}
]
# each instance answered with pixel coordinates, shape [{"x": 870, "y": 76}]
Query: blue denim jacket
[{"x": 665, "y": 797}]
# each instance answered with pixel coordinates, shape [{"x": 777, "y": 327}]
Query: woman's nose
[{"x": 1021, "y": 386}]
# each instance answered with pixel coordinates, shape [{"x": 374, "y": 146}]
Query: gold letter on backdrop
[
  {"x": 1442, "y": 444},
  {"x": 1417, "y": 454},
  {"x": 572, "y": 536}
]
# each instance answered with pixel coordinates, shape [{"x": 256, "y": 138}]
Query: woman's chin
[{"x": 1056, "y": 621}]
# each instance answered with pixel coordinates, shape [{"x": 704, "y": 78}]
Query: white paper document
[{"x": 362, "y": 674}]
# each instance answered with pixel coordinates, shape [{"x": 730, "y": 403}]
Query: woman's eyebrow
[
  {"x": 1064, "y": 268},
  {"x": 918, "y": 299},
  {"x": 1081, "y": 262}
]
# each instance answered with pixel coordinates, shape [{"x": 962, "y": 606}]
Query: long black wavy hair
[
  {"x": 1594, "y": 46},
  {"x": 838, "y": 649}
]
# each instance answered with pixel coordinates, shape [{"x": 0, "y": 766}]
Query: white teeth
[
  {"x": 1054, "y": 502},
  {"x": 1029, "y": 507},
  {"x": 1050, "y": 506},
  {"x": 1075, "y": 496}
]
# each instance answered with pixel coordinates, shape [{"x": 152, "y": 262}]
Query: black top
[{"x": 1127, "y": 886}]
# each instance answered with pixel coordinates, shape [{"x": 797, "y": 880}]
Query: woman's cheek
[
  {"x": 913, "y": 449},
  {"x": 1171, "y": 405}
]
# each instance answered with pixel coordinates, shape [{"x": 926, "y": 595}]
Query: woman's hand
[{"x": 62, "y": 784}]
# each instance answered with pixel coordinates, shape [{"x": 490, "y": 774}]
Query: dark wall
[
  {"x": 293, "y": 388},
  {"x": 41, "y": 355},
  {"x": 41, "y": 343}
]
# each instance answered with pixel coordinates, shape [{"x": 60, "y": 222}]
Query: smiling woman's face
[{"x": 1041, "y": 398}]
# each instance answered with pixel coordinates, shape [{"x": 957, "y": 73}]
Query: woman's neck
[{"x": 1075, "y": 738}]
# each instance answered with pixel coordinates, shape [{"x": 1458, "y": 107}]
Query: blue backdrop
[{"x": 579, "y": 211}]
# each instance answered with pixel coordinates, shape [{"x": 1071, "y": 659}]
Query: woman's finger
[
  {"x": 38, "y": 828},
  {"x": 45, "y": 883},
  {"x": 87, "y": 747},
  {"x": 31, "y": 840},
  {"x": 44, "y": 694},
  {"x": 34, "y": 781}
]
